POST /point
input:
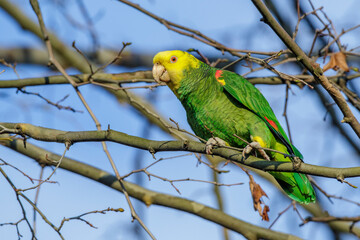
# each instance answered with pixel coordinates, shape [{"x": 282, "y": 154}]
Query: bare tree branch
[
  {"x": 26, "y": 23},
  {"x": 52, "y": 135},
  {"x": 310, "y": 65},
  {"x": 150, "y": 197},
  {"x": 52, "y": 60}
]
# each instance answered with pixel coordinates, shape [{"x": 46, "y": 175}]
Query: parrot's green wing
[
  {"x": 296, "y": 185},
  {"x": 249, "y": 96}
]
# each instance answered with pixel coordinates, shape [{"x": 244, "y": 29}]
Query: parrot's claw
[
  {"x": 296, "y": 161},
  {"x": 213, "y": 142},
  {"x": 255, "y": 145}
]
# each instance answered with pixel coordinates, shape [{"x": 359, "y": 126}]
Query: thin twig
[
  {"x": 285, "y": 110},
  {"x": 185, "y": 131},
  {"x": 12, "y": 66},
  {"x": 280, "y": 214},
  {"x": 206, "y": 60},
  {"x": 19, "y": 201},
  {"x": 212, "y": 166},
  {"x": 301, "y": 18},
  {"x": 16, "y": 224},
  {"x": 330, "y": 219},
  {"x": 67, "y": 146},
  {"x": 57, "y": 105},
  {"x": 172, "y": 181},
  {"x": 83, "y": 55},
  {"x": 330, "y": 196},
  {"x": 151, "y": 87},
  {"x": 118, "y": 56},
  {"x": 17, "y": 169},
  {"x": 87, "y": 213},
  {"x": 37, "y": 198},
  {"x": 89, "y": 24},
  {"x": 338, "y": 37},
  {"x": 232, "y": 63}
]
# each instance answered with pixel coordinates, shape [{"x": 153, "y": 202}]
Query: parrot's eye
[{"x": 173, "y": 59}]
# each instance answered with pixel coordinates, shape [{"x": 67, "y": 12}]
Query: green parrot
[{"x": 224, "y": 105}]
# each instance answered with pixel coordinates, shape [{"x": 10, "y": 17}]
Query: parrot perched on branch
[{"x": 224, "y": 107}]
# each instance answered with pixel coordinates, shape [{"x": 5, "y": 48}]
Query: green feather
[{"x": 215, "y": 109}]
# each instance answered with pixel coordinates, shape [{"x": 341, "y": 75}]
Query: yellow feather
[
  {"x": 176, "y": 69},
  {"x": 260, "y": 141}
]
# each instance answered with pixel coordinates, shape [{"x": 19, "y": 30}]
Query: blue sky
[{"x": 234, "y": 23}]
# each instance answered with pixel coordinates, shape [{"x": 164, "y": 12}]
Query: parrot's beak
[{"x": 160, "y": 74}]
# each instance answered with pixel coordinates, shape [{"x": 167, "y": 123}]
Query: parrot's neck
[
  {"x": 198, "y": 88},
  {"x": 196, "y": 83}
]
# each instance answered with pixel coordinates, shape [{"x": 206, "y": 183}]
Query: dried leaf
[
  {"x": 265, "y": 211},
  {"x": 337, "y": 61},
  {"x": 330, "y": 64},
  {"x": 257, "y": 193}
]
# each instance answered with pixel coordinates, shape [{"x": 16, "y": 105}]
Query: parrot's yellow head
[{"x": 169, "y": 67}]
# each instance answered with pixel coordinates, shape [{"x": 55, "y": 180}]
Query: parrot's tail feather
[{"x": 297, "y": 187}]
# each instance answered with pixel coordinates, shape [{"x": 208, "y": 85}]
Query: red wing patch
[
  {"x": 272, "y": 123},
  {"x": 219, "y": 78}
]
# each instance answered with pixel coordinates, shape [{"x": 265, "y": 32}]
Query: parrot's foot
[
  {"x": 296, "y": 161},
  {"x": 213, "y": 142},
  {"x": 255, "y": 145}
]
